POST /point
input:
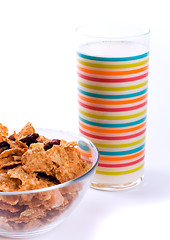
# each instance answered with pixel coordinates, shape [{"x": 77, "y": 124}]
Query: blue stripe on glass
[
  {"x": 113, "y": 59},
  {"x": 113, "y": 96},
  {"x": 122, "y": 152},
  {"x": 109, "y": 125}
]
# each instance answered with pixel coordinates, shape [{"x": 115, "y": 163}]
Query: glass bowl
[{"x": 30, "y": 213}]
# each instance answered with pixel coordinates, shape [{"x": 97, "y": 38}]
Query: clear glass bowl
[{"x": 30, "y": 213}]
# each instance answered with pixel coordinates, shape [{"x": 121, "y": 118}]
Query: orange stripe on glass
[
  {"x": 101, "y": 72},
  {"x": 112, "y": 130}
]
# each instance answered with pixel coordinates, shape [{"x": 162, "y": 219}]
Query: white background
[{"x": 38, "y": 84}]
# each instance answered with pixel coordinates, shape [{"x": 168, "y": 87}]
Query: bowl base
[{"x": 24, "y": 235}]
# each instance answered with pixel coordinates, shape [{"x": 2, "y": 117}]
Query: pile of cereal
[{"x": 30, "y": 161}]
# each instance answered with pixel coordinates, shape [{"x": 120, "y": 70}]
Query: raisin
[
  {"x": 31, "y": 138},
  {"x": 4, "y": 145},
  {"x": 50, "y": 144},
  {"x": 11, "y": 137},
  {"x": 55, "y": 141}
]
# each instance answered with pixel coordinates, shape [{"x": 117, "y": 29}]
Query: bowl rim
[{"x": 61, "y": 185}]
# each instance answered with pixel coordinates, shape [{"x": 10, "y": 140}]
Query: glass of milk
[{"x": 112, "y": 75}]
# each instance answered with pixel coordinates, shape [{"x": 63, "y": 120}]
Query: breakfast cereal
[{"x": 29, "y": 161}]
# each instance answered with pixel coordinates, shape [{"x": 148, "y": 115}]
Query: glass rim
[
  {"x": 137, "y": 31},
  {"x": 65, "y": 184}
]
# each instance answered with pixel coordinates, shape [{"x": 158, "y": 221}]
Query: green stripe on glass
[
  {"x": 113, "y": 66},
  {"x": 112, "y": 117},
  {"x": 99, "y": 88},
  {"x": 119, "y": 145}
]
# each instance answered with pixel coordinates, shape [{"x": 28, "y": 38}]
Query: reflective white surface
[{"x": 38, "y": 84}]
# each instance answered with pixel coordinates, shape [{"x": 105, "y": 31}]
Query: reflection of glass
[
  {"x": 112, "y": 96},
  {"x": 86, "y": 153}
]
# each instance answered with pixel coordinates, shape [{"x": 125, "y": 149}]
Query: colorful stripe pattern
[{"x": 112, "y": 97}]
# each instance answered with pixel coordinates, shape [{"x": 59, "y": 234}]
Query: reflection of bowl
[{"x": 29, "y": 213}]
